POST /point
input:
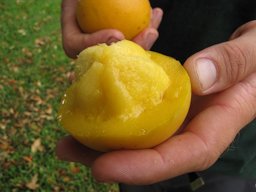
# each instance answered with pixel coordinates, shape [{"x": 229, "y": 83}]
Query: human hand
[
  {"x": 74, "y": 40},
  {"x": 225, "y": 102}
]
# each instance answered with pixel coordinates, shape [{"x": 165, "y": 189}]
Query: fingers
[
  {"x": 74, "y": 43},
  {"x": 74, "y": 40},
  {"x": 198, "y": 147},
  {"x": 249, "y": 27},
  {"x": 148, "y": 37},
  {"x": 156, "y": 18},
  {"x": 68, "y": 149},
  {"x": 221, "y": 66},
  {"x": 143, "y": 167},
  {"x": 107, "y": 36}
]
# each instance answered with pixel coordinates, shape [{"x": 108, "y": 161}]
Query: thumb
[{"x": 223, "y": 65}]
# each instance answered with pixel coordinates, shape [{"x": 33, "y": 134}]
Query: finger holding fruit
[
  {"x": 225, "y": 105},
  {"x": 124, "y": 97},
  {"x": 79, "y": 18}
]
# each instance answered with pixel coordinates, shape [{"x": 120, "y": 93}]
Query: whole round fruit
[
  {"x": 128, "y": 16},
  {"x": 125, "y": 97}
]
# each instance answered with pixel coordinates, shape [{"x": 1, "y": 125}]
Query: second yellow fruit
[{"x": 129, "y": 17}]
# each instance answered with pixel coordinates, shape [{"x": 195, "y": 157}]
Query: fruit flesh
[{"x": 125, "y": 97}]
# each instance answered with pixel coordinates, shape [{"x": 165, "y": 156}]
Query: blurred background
[{"x": 33, "y": 77}]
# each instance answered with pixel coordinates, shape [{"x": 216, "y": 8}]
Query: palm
[{"x": 212, "y": 124}]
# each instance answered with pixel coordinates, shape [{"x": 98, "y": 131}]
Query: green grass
[{"x": 33, "y": 77}]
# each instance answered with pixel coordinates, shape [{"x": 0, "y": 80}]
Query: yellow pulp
[{"x": 125, "y": 97}]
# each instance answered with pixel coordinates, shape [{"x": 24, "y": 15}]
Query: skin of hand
[
  {"x": 223, "y": 80},
  {"x": 74, "y": 40}
]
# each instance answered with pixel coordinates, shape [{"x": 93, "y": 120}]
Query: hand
[
  {"x": 224, "y": 76},
  {"x": 74, "y": 40}
]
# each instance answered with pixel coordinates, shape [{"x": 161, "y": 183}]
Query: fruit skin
[
  {"x": 128, "y": 16},
  {"x": 98, "y": 114}
]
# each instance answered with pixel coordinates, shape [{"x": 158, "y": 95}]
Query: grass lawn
[{"x": 33, "y": 77}]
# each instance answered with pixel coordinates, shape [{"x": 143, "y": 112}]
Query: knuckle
[
  {"x": 66, "y": 49},
  {"x": 235, "y": 61},
  {"x": 247, "y": 96},
  {"x": 209, "y": 159},
  {"x": 208, "y": 153},
  {"x": 68, "y": 46},
  {"x": 244, "y": 29}
]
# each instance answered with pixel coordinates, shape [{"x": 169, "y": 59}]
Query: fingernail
[
  {"x": 157, "y": 15},
  {"x": 112, "y": 40},
  {"x": 206, "y": 72}
]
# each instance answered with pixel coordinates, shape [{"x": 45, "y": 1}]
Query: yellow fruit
[
  {"x": 127, "y": 16},
  {"x": 125, "y": 97}
]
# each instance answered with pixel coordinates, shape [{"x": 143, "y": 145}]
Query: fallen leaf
[
  {"x": 19, "y": 1},
  {"x": 15, "y": 69},
  {"x": 37, "y": 99},
  {"x": 36, "y": 26},
  {"x": 22, "y": 32},
  {"x": 38, "y": 84},
  {"x": 39, "y": 42},
  {"x": 27, "y": 52},
  {"x": 3, "y": 125},
  {"x": 33, "y": 185},
  {"x": 28, "y": 159},
  {"x": 37, "y": 146},
  {"x": 48, "y": 111},
  {"x": 75, "y": 169},
  {"x": 66, "y": 179},
  {"x": 5, "y": 145},
  {"x": 56, "y": 188}
]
